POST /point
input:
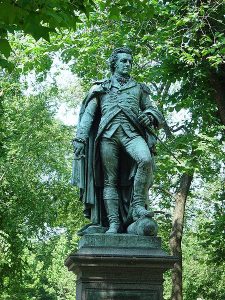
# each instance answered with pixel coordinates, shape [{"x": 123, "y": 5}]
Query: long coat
[{"x": 103, "y": 102}]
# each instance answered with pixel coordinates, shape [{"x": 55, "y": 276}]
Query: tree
[
  {"x": 179, "y": 53},
  {"x": 37, "y": 18},
  {"x": 181, "y": 44},
  {"x": 36, "y": 194}
]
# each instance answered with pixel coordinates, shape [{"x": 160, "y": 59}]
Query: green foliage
[
  {"x": 44, "y": 275},
  {"x": 179, "y": 52},
  {"x": 202, "y": 277},
  {"x": 211, "y": 233},
  {"x": 36, "y": 195},
  {"x": 38, "y": 18}
]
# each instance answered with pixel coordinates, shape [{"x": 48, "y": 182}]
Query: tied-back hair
[{"x": 114, "y": 55}]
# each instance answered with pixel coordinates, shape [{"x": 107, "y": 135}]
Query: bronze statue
[{"x": 114, "y": 149}]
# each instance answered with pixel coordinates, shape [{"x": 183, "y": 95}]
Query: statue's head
[{"x": 121, "y": 61}]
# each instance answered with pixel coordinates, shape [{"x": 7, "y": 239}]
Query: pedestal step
[{"x": 119, "y": 267}]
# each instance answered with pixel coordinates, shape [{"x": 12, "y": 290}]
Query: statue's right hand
[{"x": 78, "y": 149}]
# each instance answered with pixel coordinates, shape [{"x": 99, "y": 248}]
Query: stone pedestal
[{"x": 119, "y": 267}]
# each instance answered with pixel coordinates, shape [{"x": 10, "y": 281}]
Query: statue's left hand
[
  {"x": 78, "y": 149},
  {"x": 146, "y": 120}
]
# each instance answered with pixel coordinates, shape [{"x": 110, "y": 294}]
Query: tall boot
[
  {"x": 139, "y": 210},
  {"x": 112, "y": 209}
]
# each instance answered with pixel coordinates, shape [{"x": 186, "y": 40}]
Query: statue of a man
[{"x": 114, "y": 148}]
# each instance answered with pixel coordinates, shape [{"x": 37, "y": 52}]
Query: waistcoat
[{"x": 115, "y": 106}]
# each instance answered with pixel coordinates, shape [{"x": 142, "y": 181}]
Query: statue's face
[{"x": 123, "y": 64}]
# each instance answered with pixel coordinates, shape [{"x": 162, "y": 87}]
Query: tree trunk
[
  {"x": 218, "y": 85},
  {"x": 176, "y": 234}
]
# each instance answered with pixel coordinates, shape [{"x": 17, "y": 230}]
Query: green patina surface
[
  {"x": 120, "y": 241},
  {"x": 114, "y": 150}
]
